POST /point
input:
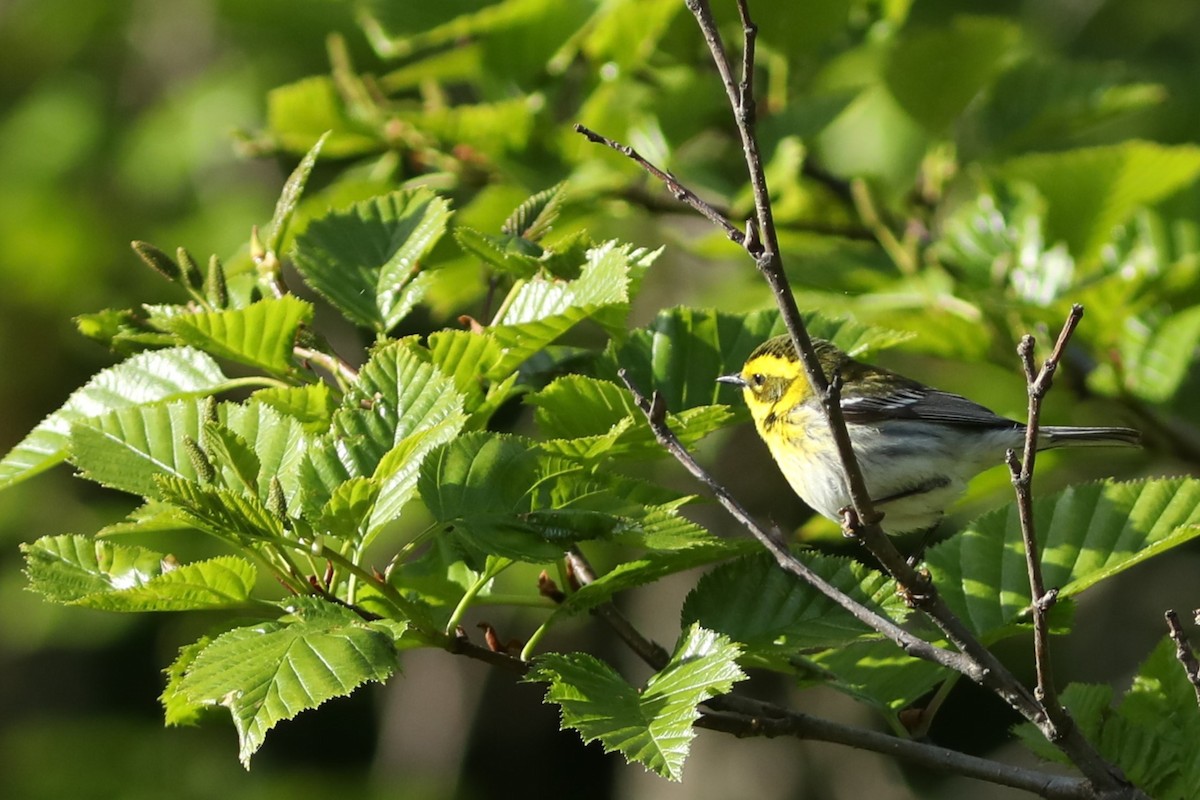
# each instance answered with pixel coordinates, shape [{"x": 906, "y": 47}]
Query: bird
[{"x": 917, "y": 446}]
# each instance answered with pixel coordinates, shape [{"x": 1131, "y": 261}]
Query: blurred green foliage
[{"x": 963, "y": 173}]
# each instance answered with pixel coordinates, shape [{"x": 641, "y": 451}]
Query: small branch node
[{"x": 1183, "y": 651}]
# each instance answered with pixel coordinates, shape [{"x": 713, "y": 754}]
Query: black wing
[{"x": 921, "y": 403}]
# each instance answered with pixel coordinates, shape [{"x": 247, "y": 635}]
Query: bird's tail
[{"x": 1063, "y": 436}]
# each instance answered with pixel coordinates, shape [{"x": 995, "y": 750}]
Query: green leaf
[
  {"x": 1086, "y": 534},
  {"x": 772, "y": 613},
  {"x": 145, "y": 378},
  {"x": 534, "y": 218},
  {"x": 293, "y": 188},
  {"x": 1156, "y": 356},
  {"x": 508, "y": 254},
  {"x": 226, "y": 514},
  {"x": 277, "y": 441},
  {"x": 540, "y": 310},
  {"x": 501, "y": 495},
  {"x": 349, "y": 507},
  {"x": 312, "y": 405},
  {"x": 652, "y": 727},
  {"x": 128, "y": 448},
  {"x": 878, "y": 673},
  {"x": 272, "y": 671},
  {"x": 261, "y": 335},
  {"x": 1091, "y": 190},
  {"x": 399, "y": 395},
  {"x": 935, "y": 73},
  {"x": 649, "y": 568},
  {"x": 177, "y": 710},
  {"x": 96, "y": 573},
  {"x": 303, "y": 113},
  {"x": 367, "y": 260}
]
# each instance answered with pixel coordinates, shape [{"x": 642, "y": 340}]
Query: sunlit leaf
[
  {"x": 97, "y": 573},
  {"x": 368, "y": 260},
  {"x": 261, "y": 335},
  {"x": 272, "y": 671},
  {"x": 145, "y": 378},
  {"x": 651, "y": 726}
]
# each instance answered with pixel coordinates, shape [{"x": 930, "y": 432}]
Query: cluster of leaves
[{"x": 313, "y": 469}]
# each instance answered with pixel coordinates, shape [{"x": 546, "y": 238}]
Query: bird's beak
[{"x": 736, "y": 379}]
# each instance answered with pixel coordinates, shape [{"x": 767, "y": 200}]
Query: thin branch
[
  {"x": 742, "y": 716},
  {"x": 1038, "y": 383},
  {"x": 1183, "y": 651},
  {"x": 677, "y": 189},
  {"x": 648, "y": 650}
]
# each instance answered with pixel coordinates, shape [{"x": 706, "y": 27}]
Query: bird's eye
[{"x": 757, "y": 380}]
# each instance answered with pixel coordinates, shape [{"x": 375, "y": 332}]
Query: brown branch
[
  {"x": 1183, "y": 651},
  {"x": 1038, "y": 383},
  {"x": 677, "y": 189},
  {"x": 743, "y": 717}
]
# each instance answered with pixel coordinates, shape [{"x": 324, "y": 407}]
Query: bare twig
[
  {"x": 680, "y": 192},
  {"x": 1183, "y": 651},
  {"x": 1038, "y": 383},
  {"x": 742, "y": 716}
]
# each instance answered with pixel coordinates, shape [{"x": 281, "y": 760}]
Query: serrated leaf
[
  {"x": 96, "y": 573},
  {"x": 177, "y": 710},
  {"x": 261, "y": 335},
  {"x": 399, "y": 469},
  {"x": 232, "y": 455},
  {"x": 349, "y": 507},
  {"x": 771, "y": 612},
  {"x": 278, "y": 443},
  {"x": 293, "y": 188},
  {"x": 225, "y": 514},
  {"x": 1086, "y": 534},
  {"x": 312, "y": 405},
  {"x": 533, "y": 218},
  {"x": 272, "y": 671},
  {"x": 367, "y": 260},
  {"x": 502, "y": 495},
  {"x": 507, "y": 254},
  {"x": 540, "y": 310},
  {"x": 652, "y": 727},
  {"x": 398, "y": 393},
  {"x": 466, "y": 358},
  {"x": 145, "y": 378},
  {"x": 1156, "y": 355},
  {"x": 130, "y": 447}
]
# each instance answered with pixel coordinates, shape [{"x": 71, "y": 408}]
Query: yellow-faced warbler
[{"x": 917, "y": 446}]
